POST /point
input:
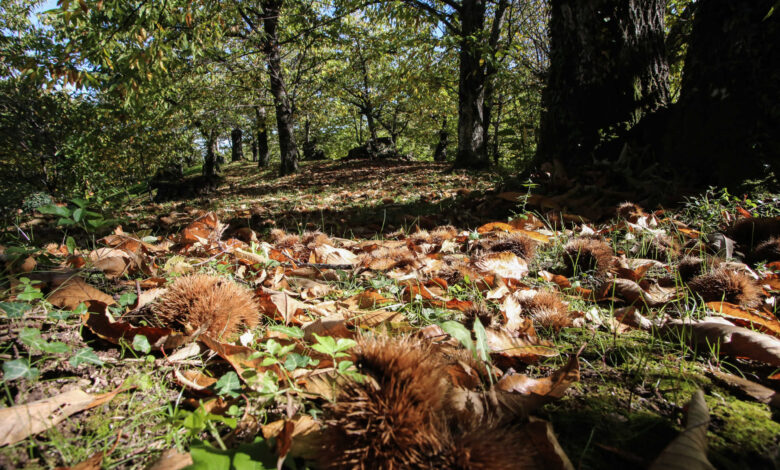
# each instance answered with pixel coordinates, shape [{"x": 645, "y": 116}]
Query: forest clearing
[{"x": 413, "y": 234}]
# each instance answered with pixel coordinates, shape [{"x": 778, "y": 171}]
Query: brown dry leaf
[
  {"x": 279, "y": 304},
  {"x": 240, "y": 357},
  {"x": 500, "y": 342},
  {"x": 550, "y": 455},
  {"x": 19, "y": 422},
  {"x": 505, "y": 264},
  {"x": 747, "y": 318},
  {"x": 754, "y": 390},
  {"x": 633, "y": 293},
  {"x": 688, "y": 451},
  {"x": 375, "y": 318},
  {"x": 308, "y": 288},
  {"x": 93, "y": 463},
  {"x": 299, "y": 436},
  {"x": 332, "y": 325},
  {"x": 113, "y": 331},
  {"x": 495, "y": 227},
  {"x": 531, "y": 393},
  {"x": 111, "y": 261},
  {"x": 369, "y": 298},
  {"x": 149, "y": 296},
  {"x": 172, "y": 459},
  {"x": 194, "y": 379},
  {"x": 75, "y": 291},
  {"x": 729, "y": 339},
  {"x": 206, "y": 230},
  {"x": 331, "y": 255},
  {"x": 512, "y": 312}
]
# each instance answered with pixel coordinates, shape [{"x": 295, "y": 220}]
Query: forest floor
[{"x": 602, "y": 330}]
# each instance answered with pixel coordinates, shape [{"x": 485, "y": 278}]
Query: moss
[{"x": 742, "y": 434}]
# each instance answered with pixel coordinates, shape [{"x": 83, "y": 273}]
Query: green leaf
[
  {"x": 459, "y": 332},
  {"x": 14, "y": 309},
  {"x": 77, "y": 214},
  {"x": 19, "y": 369},
  {"x": 54, "y": 210},
  {"x": 325, "y": 345},
  {"x": 85, "y": 356},
  {"x": 291, "y": 331},
  {"x": 70, "y": 243},
  {"x": 81, "y": 203},
  {"x": 255, "y": 456},
  {"x": 31, "y": 337},
  {"x": 127, "y": 299},
  {"x": 296, "y": 361},
  {"x": 228, "y": 384},
  {"x": 482, "y": 344},
  {"x": 55, "y": 347},
  {"x": 141, "y": 343},
  {"x": 66, "y": 222}
]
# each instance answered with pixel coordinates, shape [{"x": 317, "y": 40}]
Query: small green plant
[
  {"x": 78, "y": 215},
  {"x": 337, "y": 349}
]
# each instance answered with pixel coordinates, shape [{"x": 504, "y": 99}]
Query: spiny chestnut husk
[
  {"x": 213, "y": 303},
  {"x": 630, "y": 211},
  {"x": 767, "y": 251},
  {"x": 730, "y": 286},
  {"x": 394, "y": 418},
  {"x": 518, "y": 244},
  {"x": 752, "y": 231},
  {"x": 546, "y": 309},
  {"x": 398, "y": 418},
  {"x": 587, "y": 254}
]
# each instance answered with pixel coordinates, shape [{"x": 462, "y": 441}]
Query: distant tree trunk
[
  {"x": 472, "y": 151},
  {"x": 210, "y": 161},
  {"x": 496, "y": 127},
  {"x": 607, "y": 69},
  {"x": 491, "y": 69},
  {"x": 726, "y": 125},
  {"x": 284, "y": 119},
  {"x": 440, "y": 154},
  {"x": 254, "y": 149},
  {"x": 237, "y": 146},
  {"x": 262, "y": 137}
]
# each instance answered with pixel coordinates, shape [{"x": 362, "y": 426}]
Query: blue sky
[{"x": 45, "y": 5}]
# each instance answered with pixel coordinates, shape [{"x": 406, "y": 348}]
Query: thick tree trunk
[
  {"x": 210, "y": 161},
  {"x": 237, "y": 146},
  {"x": 284, "y": 119},
  {"x": 472, "y": 149},
  {"x": 607, "y": 69},
  {"x": 440, "y": 153},
  {"x": 496, "y": 128},
  {"x": 726, "y": 125},
  {"x": 262, "y": 137}
]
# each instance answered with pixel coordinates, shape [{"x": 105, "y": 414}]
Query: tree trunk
[
  {"x": 725, "y": 125},
  {"x": 210, "y": 161},
  {"x": 237, "y": 146},
  {"x": 472, "y": 151},
  {"x": 254, "y": 149},
  {"x": 607, "y": 69},
  {"x": 496, "y": 128},
  {"x": 440, "y": 154},
  {"x": 284, "y": 119},
  {"x": 262, "y": 137}
]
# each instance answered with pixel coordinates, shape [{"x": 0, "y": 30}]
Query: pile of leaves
[{"x": 437, "y": 348}]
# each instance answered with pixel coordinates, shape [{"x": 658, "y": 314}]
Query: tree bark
[
  {"x": 440, "y": 153},
  {"x": 607, "y": 69},
  {"x": 725, "y": 125},
  {"x": 262, "y": 137},
  {"x": 210, "y": 161},
  {"x": 472, "y": 149},
  {"x": 284, "y": 118},
  {"x": 236, "y": 145}
]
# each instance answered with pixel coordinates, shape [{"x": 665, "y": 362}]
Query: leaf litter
[{"x": 486, "y": 327}]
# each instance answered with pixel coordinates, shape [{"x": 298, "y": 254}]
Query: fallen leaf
[
  {"x": 747, "y": 318},
  {"x": 550, "y": 455},
  {"x": 528, "y": 350},
  {"x": 757, "y": 391},
  {"x": 728, "y": 339},
  {"x": 75, "y": 291},
  {"x": 688, "y": 451},
  {"x": 300, "y": 436},
  {"x": 242, "y": 359},
  {"x": 93, "y": 463},
  {"x": 115, "y": 331},
  {"x": 331, "y": 255},
  {"x": 19, "y": 422},
  {"x": 505, "y": 264},
  {"x": 172, "y": 459}
]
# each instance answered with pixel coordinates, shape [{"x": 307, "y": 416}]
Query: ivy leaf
[
  {"x": 141, "y": 343},
  {"x": 296, "y": 361},
  {"x": 254, "y": 456},
  {"x": 55, "y": 347},
  {"x": 85, "y": 356},
  {"x": 127, "y": 299},
  {"x": 14, "y": 309},
  {"x": 31, "y": 337},
  {"x": 228, "y": 384},
  {"x": 291, "y": 331},
  {"x": 19, "y": 369}
]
